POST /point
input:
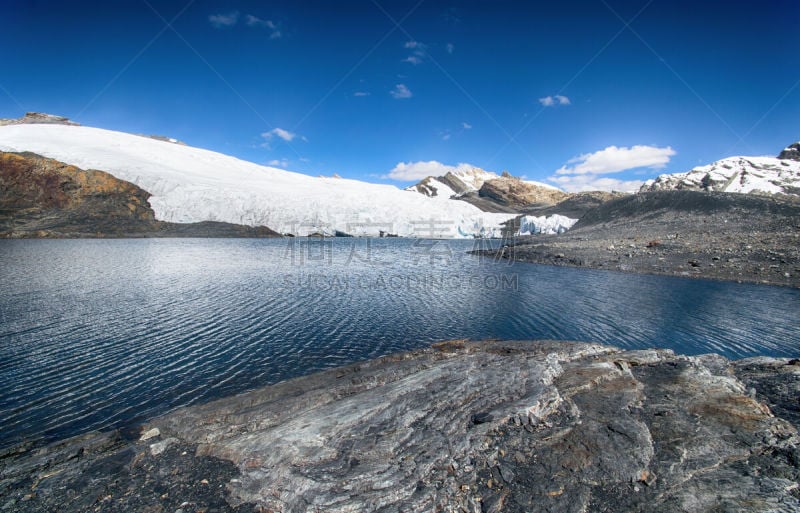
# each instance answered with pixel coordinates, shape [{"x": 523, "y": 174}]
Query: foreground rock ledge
[{"x": 461, "y": 426}]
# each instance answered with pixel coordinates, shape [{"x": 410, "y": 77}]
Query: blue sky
[{"x": 600, "y": 93}]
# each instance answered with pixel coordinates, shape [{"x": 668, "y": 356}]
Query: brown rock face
[
  {"x": 39, "y": 194},
  {"x": 514, "y": 192},
  {"x": 41, "y": 197}
]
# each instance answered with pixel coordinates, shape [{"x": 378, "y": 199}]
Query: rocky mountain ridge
[
  {"x": 751, "y": 175},
  {"x": 38, "y": 118},
  {"x": 489, "y": 191}
]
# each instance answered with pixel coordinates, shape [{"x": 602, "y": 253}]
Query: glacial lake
[{"x": 105, "y": 333}]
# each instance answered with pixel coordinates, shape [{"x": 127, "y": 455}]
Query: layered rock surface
[
  {"x": 518, "y": 194},
  {"x": 477, "y": 427}
]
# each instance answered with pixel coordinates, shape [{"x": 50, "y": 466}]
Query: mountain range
[{"x": 58, "y": 178}]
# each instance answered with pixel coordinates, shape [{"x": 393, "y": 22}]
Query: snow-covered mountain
[
  {"x": 191, "y": 185},
  {"x": 464, "y": 179},
  {"x": 756, "y": 175}
]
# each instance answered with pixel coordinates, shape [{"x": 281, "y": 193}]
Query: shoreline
[
  {"x": 552, "y": 259},
  {"x": 482, "y": 426},
  {"x": 718, "y": 236}
]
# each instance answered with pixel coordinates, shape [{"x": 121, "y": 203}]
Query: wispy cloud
[
  {"x": 466, "y": 126},
  {"x": 408, "y": 171},
  {"x": 231, "y": 19},
  {"x": 419, "y": 52},
  {"x": 224, "y": 20},
  {"x": 584, "y": 172},
  {"x": 281, "y": 163},
  {"x": 450, "y": 48},
  {"x": 254, "y": 21},
  {"x": 401, "y": 92},
  {"x": 361, "y": 93},
  {"x": 281, "y": 133},
  {"x": 552, "y": 101},
  {"x": 584, "y": 183}
]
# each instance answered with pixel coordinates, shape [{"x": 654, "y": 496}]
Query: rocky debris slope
[
  {"x": 35, "y": 118},
  {"x": 726, "y": 236},
  {"x": 576, "y": 205},
  {"x": 476, "y": 427},
  {"x": 755, "y": 175},
  {"x": 41, "y": 197}
]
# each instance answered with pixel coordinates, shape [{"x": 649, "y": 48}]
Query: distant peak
[
  {"x": 32, "y": 118},
  {"x": 791, "y": 152}
]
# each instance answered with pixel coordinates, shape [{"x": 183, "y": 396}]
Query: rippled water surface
[{"x": 101, "y": 333}]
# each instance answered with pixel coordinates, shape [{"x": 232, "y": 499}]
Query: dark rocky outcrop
[
  {"x": 791, "y": 152},
  {"x": 42, "y": 197},
  {"x": 477, "y": 427},
  {"x": 728, "y": 236}
]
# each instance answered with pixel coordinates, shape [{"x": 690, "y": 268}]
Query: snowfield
[{"x": 191, "y": 185}]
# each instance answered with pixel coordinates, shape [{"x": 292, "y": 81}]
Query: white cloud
[
  {"x": 418, "y": 54},
  {"x": 281, "y": 163},
  {"x": 582, "y": 183},
  {"x": 446, "y": 136},
  {"x": 253, "y": 21},
  {"x": 400, "y": 92},
  {"x": 552, "y": 101},
  {"x": 281, "y": 133},
  {"x": 224, "y": 20},
  {"x": 587, "y": 170},
  {"x": 361, "y": 93},
  {"x": 450, "y": 48},
  {"x": 466, "y": 126},
  {"x": 410, "y": 171},
  {"x": 614, "y": 159}
]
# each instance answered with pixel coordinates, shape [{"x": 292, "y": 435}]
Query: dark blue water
[{"x": 101, "y": 333}]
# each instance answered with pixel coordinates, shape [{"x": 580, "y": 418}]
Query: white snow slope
[
  {"x": 191, "y": 185},
  {"x": 764, "y": 175}
]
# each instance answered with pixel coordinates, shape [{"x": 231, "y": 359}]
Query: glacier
[
  {"x": 547, "y": 225},
  {"x": 190, "y": 184}
]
